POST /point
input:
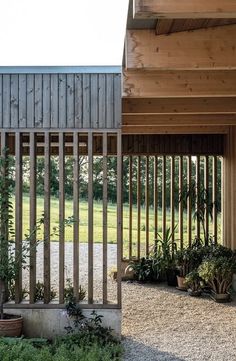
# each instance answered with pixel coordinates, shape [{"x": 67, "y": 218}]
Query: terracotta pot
[
  {"x": 181, "y": 284},
  {"x": 11, "y": 326},
  {"x": 220, "y": 297}
]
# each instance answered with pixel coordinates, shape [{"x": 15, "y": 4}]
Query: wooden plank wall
[{"x": 60, "y": 101}]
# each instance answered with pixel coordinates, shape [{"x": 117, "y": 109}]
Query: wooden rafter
[{"x": 173, "y": 9}]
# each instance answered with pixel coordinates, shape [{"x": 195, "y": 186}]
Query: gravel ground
[
  {"x": 162, "y": 323},
  {"x": 159, "y": 322}
]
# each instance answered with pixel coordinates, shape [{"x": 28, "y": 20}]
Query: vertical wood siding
[{"x": 60, "y": 101}]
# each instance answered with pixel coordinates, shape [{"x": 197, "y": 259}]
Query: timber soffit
[{"x": 168, "y": 26}]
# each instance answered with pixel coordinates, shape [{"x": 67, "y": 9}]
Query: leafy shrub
[
  {"x": 23, "y": 351},
  {"x": 69, "y": 292}
]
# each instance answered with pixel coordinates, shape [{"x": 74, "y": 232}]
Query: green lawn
[{"x": 112, "y": 219}]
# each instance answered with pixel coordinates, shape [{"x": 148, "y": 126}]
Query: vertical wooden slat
[
  {"x": 33, "y": 179},
  {"x": 14, "y": 101},
  {"x": 206, "y": 187},
  {"x": 172, "y": 199},
  {"x": 198, "y": 195},
  {"x": 119, "y": 216},
  {"x": 30, "y": 100},
  {"x": 22, "y": 101},
  {"x": 147, "y": 204},
  {"x": 94, "y": 101},
  {"x": 130, "y": 206},
  {"x": 109, "y": 101},
  {"x": 70, "y": 101},
  {"x": 62, "y": 101},
  {"x": 102, "y": 99},
  {"x": 38, "y": 101},
  {"x": 138, "y": 207},
  {"x": 189, "y": 200},
  {"x": 105, "y": 195},
  {"x": 76, "y": 215},
  {"x": 90, "y": 217},
  {"x": 6, "y": 101},
  {"x": 164, "y": 196},
  {"x": 46, "y": 101},
  {"x": 18, "y": 215},
  {"x": 155, "y": 202},
  {"x": 61, "y": 216},
  {"x": 47, "y": 280},
  {"x": 181, "y": 201},
  {"x": 86, "y": 101},
  {"x": 117, "y": 101},
  {"x": 78, "y": 101},
  {"x": 54, "y": 101},
  {"x": 214, "y": 197}
]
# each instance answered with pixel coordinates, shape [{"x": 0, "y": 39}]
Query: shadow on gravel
[{"x": 138, "y": 351}]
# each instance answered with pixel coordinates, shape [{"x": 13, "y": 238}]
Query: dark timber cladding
[{"x": 60, "y": 100}]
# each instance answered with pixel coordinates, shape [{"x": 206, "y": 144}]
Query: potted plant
[
  {"x": 217, "y": 273},
  {"x": 182, "y": 262},
  {"x": 165, "y": 248},
  {"x": 193, "y": 283},
  {"x": 145, "y": 270}
]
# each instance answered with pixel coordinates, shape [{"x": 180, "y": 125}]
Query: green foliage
[
  {"x": 62, "y": 350},
  {"x": 165, "y": 249},
  {"x": 218, "y": 273},
  {"x": 193, "y": 281},
  {"x": 69, "y": 292},
  {"x": 145, "y": 270}
]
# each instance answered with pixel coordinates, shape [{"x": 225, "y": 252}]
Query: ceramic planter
[
  {"x": 11, "y": 326},
  {"x": 220, "y": 297}
]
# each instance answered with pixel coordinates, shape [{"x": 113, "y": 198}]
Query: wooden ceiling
[
  {"x": 168, "y": 26},
  {"x": 179, "y": 72}
]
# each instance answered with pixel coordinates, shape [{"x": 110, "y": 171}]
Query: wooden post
[
  {"x": 61, "y": 216},
  {"x": 189, "y": 201},
  {"x": 155, "y": 205},
  {"x": 164, "y": 196},
  {"x": 147, "y": 204},
  {"x": 130, "y": 206},
  {"x": 138, "y": 207},
  {"x": 33, "y": 212},
  {"x": 18, "y": 215},
  {"x": 76, "y": 215},
  {"x": 172, "y": 199},
  {"x": 90, "y": 217},
  {"x": 119, "y": 215},
  {"x": 105, "y": 200},
  {"x": 181, "y": 201}
]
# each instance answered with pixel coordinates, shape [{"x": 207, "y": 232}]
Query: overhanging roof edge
[{"x": 60, "y": 69}]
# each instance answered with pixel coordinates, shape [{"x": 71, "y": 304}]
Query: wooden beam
[
  {"x": 164, "y": 120},
  {"x": 137, "y": 83},
  {"x": 204, "y": 49},
  {"x": 184, "y": 9},
  {"x": 146, "y": 129},
  {"x": 179, "y": 105}
]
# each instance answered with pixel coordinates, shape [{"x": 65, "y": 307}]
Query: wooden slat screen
[
  {"x": 51, "y": 256},
  {"x": 161, "y": 202}
]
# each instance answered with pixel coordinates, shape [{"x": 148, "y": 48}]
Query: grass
[{"x": 98, "y": 229}]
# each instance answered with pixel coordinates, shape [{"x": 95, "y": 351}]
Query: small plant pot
[
  {"x": 220, "y": 297},
  {"x": 181, "y": 283},
  {"x": 171, "y": 277},
  {"x": 194, "y": 293},
  {"x": 11, "y": 326}
]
